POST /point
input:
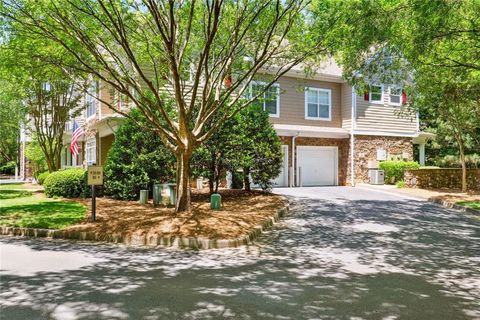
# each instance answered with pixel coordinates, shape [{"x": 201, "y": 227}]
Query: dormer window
[
  {"x": 376, "y": 93},
  {"x": 395, "y": 96}
]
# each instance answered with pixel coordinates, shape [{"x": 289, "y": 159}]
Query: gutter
[
  {"x": 293, "y": 179},
  {"x": 352, "y": 137}
]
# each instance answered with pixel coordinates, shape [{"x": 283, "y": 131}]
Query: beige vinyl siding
[
  {"x": 346, "y": 106},
  {"x": 292, "y": 102},
  {"x": 384, "y": 117}
]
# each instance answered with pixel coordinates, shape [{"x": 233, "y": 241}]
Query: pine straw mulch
[
  {"x": 241, "y": 212},
  {"x": 448, "y": 196}
]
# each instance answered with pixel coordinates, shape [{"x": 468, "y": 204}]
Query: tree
[
  {"x": 246, "y": 142},
  {"x": 454, "y": 109},
  {"x": 210, "y": 160},
  {"x": 431, "y": 48},
  {"x": 12, "y": 114},
  {"x": 180, "y": 63},
  {"x": 34, "y": 153},
  {"x": 255, "y": 148},
  {"x": 48, "y": 93},
  {"x": 136, "y": 160}
]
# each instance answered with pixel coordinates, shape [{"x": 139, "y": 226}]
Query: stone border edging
[
  {"x": 149, "y": 239},
  {"x": 455, "y": 206}
]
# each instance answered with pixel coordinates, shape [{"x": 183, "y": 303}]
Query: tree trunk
[
  {"x": 211, "y": 174},
  {"x": 210, "y": 185},
  {"x": 246, "y": 179},
  {"x": 464, "y": 167},
  {"x": 183, "y": 202},
  {"x": 217, "y": 177}
]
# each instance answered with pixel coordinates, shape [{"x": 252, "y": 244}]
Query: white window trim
[
  {"x": 275, "y": 85},
  {"x": 390, "y": 95},
  {"x": 329, "y": 91},
  {"x": 88, "y": 146},
  {"x": 382, "y": 99}
]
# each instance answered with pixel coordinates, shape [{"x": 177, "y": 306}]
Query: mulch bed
[{"x": 241, "y": 211}]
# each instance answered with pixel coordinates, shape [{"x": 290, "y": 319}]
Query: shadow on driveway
[{"x": 336, "y": 258}]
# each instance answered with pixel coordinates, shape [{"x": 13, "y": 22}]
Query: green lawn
[
  {"x": 470, "y": 204},
  {"x": 19, "y": 186},
  {"x": 21, "y": 208}
]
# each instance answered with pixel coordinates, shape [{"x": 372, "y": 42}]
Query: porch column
[{"x": 421, "y": 149}]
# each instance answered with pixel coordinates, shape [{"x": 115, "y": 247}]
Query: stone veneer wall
[
  {"x": 366, "y": 150},
  {"x": 450, "y": 178},
  {"x": 342, "y": 144}
]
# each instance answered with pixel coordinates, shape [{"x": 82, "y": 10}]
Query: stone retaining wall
[{"x": 442, "y": 178}]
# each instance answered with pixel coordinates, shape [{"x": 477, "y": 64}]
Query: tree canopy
[{"x": 181, "y": 63}]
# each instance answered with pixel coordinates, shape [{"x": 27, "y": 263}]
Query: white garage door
[
  {"x": 317, "y": 165},
  {"x": 282, "y": 179}
]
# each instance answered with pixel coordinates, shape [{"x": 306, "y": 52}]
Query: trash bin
[
  {"x": 173, "y": 193},
  {"x": 143, "y": 196},
  {"x": 157, "y": 194}
]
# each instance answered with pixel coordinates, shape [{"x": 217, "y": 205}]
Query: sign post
[{"x": 95, "y": 178}]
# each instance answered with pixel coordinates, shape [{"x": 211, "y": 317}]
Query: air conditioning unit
[{"x": 376, "y": 176}]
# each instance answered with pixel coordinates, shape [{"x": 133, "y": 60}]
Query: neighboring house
[{"x": 330, "y": 134}]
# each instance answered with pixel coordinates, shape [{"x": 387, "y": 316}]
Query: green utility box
[
  {"x": 157, "y": 194},
  {"x": 143, "y": 196},
  {"x": 215, "y": 201}
]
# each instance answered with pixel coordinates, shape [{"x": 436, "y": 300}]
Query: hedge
[
  {"x": 395, "y": 170},
  {"x": 8, "y": 168},
  {"x": 42, "y": 176},
  {"x": 69, "y": 183}
]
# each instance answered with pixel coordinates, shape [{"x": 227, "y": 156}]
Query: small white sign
[
  {"x": 95, "y": 176},
  {"x": 381, "y": 154}
]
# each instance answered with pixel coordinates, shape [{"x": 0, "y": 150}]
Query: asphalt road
[{"x": 342, "y": 253}]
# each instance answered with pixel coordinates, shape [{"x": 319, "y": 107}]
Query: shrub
[
  {"x": 401, "y": 184},
  {"x": 394, "y": 170},
  {"x": 8, "y": 168},
  {"x": 42, "y": 176},
  {"x": 453, "y": 161},
  {"x": 138, "y": 159},
  {"x": 69, "y": 183},
  {"x": 34, "y": 153}
]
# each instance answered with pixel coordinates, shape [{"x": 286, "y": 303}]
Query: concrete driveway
[{"x": 343, "y": 253}]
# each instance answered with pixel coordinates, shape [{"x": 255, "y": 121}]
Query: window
[
  {"x": 123, "y": 102},
  {"x": 91, "y": 151},
  {"x": 91, "y": 100},
  {"x": 269, "y": 100},
  {"x": 318, "y": 104},
  {"x": 376, "y": 94},
  {"x": 396, "y": 96}
]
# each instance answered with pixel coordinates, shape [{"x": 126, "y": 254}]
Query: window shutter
[
  {"x": 404, "y": 97},
  {"x": 366, "y": 96},
  {"x": 227, "y": 81}
]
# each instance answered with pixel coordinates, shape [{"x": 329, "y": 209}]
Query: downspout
[
  {"x": 352, "y": 137},
  {"x": 293, "y": 170}
]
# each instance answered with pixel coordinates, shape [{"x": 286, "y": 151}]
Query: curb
[
  {"x": 150, "y": 240},
  {"x": 455, "y": 206}
]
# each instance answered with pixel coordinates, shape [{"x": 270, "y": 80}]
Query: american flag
[{"x": 77, "y": 132}]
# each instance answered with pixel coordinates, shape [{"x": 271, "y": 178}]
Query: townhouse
[{"x": 331, "y": 134}]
